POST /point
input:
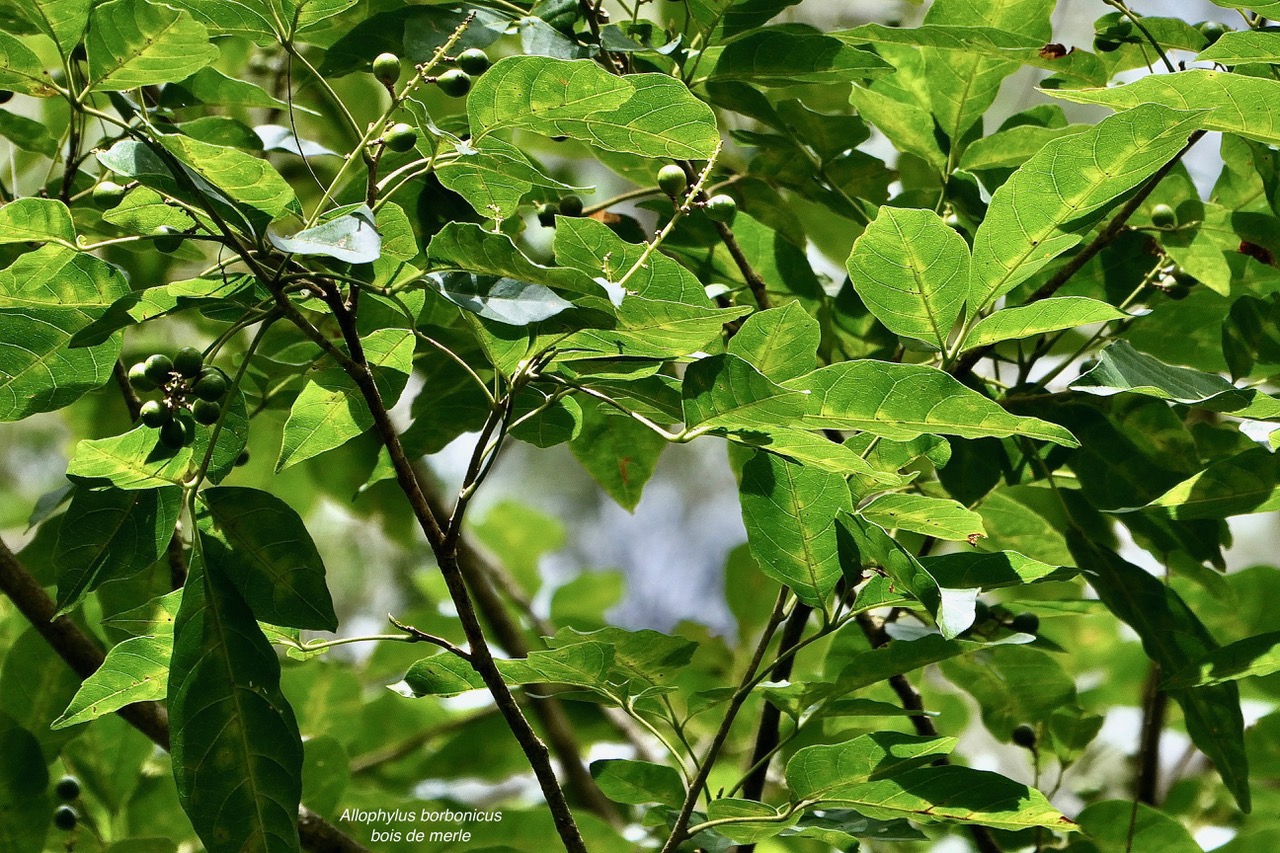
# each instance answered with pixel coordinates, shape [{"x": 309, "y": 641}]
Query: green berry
[
  {"x": 107, "y": 194},
  {"x": 167, "y": 239},
  {"x": 400, "y": 137},
  {"x": 672, "y": 180},
  {"x": 211, "y": 386},
  {"x": 158, "y": 368},
  {"x": 386, "y": 67},
  {"x": 139, "y": 379},
  {"x": 243, "y": 458},
  {"x": 474, "y": 61},
  {"x": 155, "y": 414},
  {"x": 65, "y": 818},
  {"x": 721, "y": 208},
  {"x": 547, "y": 215},
  {"x": 174, "y": 434},
  {"x": 571, "y": 205},
  {"x": 455, "y": 82},
  {"x": 205, "y": 412},
  {"x": 1212, "y": 30},
  {"x": 188, "y": 361},
  {"x": 1025, "y": 736},
  {"x": 1025, "y": 623},
  {"x": 1164, "y": 216},
  {"x": 67, "y": 789}
]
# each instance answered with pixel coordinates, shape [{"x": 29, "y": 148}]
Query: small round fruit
[
  {"x": 672, "y": 180},
  {"x": 155, "y": 414},
  {"x": 175, "y": 433},
  {"x": 211, "y": 386},
  {"x": 139, "y": 379},
  {"x": 65, "y": 818},
  {"x": 67, "y": 788},
  {"x": 1164, "y": 216},
  {"x": 188, "y": 361},
  {"x": 1025, "y": 736},
  {"x": 1025, "y": 623},
  {"x": 158, "y": 368},
  {"x": 474, "y": 61},
  {"x": 205, "y": 412},
  {"x": 400, "y": 137},
  {"x": 547, "y": 215},
  {"x": 167, "y": 239},
  {"x": 386, "y": 67},
  {"x": 107, "y": 194},
  {"x": 455, "y": 82},
  {"x": 1212, "y": 30},
  {"x": 721, "y": 208},
  {"x": 571, "y": 205},
  {"x": 243, "y": 458}
]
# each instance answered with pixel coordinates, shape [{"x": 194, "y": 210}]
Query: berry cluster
[
  {"x": 191, "y": 394},
  {"x": 456, "y": 83},
  {"x": 68, "y": 791},
  {"x": 673, "y": 181}
]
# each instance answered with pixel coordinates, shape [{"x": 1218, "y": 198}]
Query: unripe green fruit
[
  {"x": 672, "y": 180},
  {"x": 1025, "y": 623},
  {"x": 400, "y": 137},
  {"x": 139, "y": 379},
  {"x": 386, "y": 67},
  {"x": 155, "y": 414},
  {"x": 67, "y": 789},
  {"x": 107, "y": 194},
  {"x": 176, "y": 433},
  {"x": 188, "y": 361},
  {"x": 167, "y": 239},
  {"x": 547, "y": 215},
  {"x": 571, "y": 205},
  {"x": 205, "y": 412},
  {"x": 721, "y": 208},
  {"x": 474, "y": 61},
  {"x": 455, "y": 82},
  {"x": 1164, "y": 216},
  {"x": 1024, "y": 736},
  {"x": 211, "y": 386},
  {"x": 65, "y": 818},
  {"x": 1212, "y": 30},
  {"x": 158, "y": 368}
]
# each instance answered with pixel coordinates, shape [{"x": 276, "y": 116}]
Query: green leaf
[
  {"x": 1121, "y": 368},
  {"x": 790, "y": 512},
  {"x": 651, "y": 115},
  {"x": 240, "y": 176},
  {"x": 1038, "y": 318},
  {"x": 725, "y": 391},
  {"x": 21, "y": 70},
  {"x": 36, "y": 685},
  {"x": 781, "y": 343},
  {"x": 638, "y": 782},
  {"x": 937, "y": 517},
  {"x": 1243, "y": 48},
  {"x": 1010, "y": 148},
  {"x": 133, "y": 460},
  {"x": 1247, "y": 658},
  {"x": 28, "y": 135},
  {"x": 36, "y": 220},
  {"x": 494, "y": 176},
  {"x": 991, "y": 570},
  {"x": 61, "y": 20},
  {"x": 1115, "y": 826},
  {"x": 1049, "y": 204},
  {"x": 237, "y": 754},
  {"x": 1246, "y": 483},
  {"x": 144, "y": 211},
  {"x": 816, "y": 451},
  {"x": 1013, "y": 684},
  {"x": 821, "y": 772},
  {"x": 46, "y": 296},
  {"x": 904, "y": 122},
  {"x": 259, "y": 543},
  {"x": 330, "y": 410},
  {"x": 778, "y": 56},
  {"x": 619, "y": 452},
  {"x": 134, "y": 43},
  {"x": 912, "y": 271},
  {"x": 347, "y": 235},
  {"x": 582, "y": 664},
  {"x": 1174, "y": 638},
  {"x": 24, "y": 797},
  {"x": 503, "y": 300},
  {"x": 136, "y": 670},
  {"x": 903, "y": 401},
  {"x": 1233, "y": 103},
  {"x": 722, "y": 19},
  {"x": 111, "y": 533}
]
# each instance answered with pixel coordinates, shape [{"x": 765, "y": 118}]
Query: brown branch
[
  {"x": 1147, "y": 784},
  {"x": 84, "y": 656}
]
